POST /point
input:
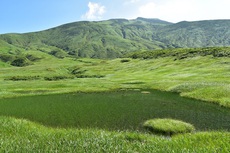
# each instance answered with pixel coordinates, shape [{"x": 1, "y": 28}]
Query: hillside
[
  {"x": 196, "y": 34},
  {"x": 200, "y": 73},
  {"x": 116, "y": 37}
]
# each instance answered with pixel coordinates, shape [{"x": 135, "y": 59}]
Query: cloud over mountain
[{"x": 95, "y": 11}]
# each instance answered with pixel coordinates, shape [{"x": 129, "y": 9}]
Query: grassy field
[
  {"x": 200, "y": 77},
  {"x": 195, "y": 75}
]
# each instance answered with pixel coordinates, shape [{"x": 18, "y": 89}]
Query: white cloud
[
  {"x": 169, "y": 10},
  {"x": 95, "y": 11},
  {"x": 174, "y": 10},
  {"x": 130, "y": 1},
  {"x": 179, "y": 10},
  {"x": 147, "y": 10}
]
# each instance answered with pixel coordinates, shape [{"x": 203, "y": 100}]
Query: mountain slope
[
  {"x": 197, "y": 34},
  {"x": 116, "y": 37}
]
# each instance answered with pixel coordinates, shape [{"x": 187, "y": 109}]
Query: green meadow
[
  {"x": 203, "y": 77},
  {"x": 99, "y": 105}
]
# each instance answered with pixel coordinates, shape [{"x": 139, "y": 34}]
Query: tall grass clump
[{"x": 168, "y": 126}]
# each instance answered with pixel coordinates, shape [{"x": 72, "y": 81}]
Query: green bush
[
  {"x": 32, "y": 58},
  {"x": 6, "y": 58},
  {"x": 125, "y": 60},
  {"x": 181, "y": 53},
  {"x": 58, "y": 53},
  {"x": 77, "y": 71},
  {"x": 56, "y": 78},
  {"x": 168, "y": 126},
  {"x": 23, "y": 78},
  {"x": 90, "y": 76},
  {"x": 20, "y": 62}
]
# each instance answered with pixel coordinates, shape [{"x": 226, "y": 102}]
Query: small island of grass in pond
[{"x": 168, "y": 126}]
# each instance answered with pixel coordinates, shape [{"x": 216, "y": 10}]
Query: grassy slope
[
  {"x": 196, "y": 34},
  {"x": 24, "y": 136},
  {"x": 200, "y": 77}
]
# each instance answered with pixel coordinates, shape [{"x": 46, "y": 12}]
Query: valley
[{"x": 90, "y": 86}]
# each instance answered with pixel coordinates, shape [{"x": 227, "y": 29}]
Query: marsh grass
[{"x": 118, "y": 110}]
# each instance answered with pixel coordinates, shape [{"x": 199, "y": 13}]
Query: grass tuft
[{"x": 168, "y": 126}]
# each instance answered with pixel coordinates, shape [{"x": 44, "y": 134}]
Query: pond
[{"x": 120, "y": 110}]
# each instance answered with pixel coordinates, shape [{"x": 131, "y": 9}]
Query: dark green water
[{"x": 122, "y": 110}]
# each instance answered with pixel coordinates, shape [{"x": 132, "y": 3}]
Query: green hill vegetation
[{"x": 116, "y": 37}]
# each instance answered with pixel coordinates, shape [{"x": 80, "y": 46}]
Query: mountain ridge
[{"x": 116, "y": 37}]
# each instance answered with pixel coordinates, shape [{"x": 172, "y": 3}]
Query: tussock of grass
[{"x": 168, "y": 126}]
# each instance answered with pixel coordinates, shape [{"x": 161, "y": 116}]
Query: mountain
[
  {"x": 196, "y": 34},
  {"x": 116, "y": 37}
]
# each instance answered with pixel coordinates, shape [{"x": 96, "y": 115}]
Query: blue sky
[{"x": 34, "y": 15}]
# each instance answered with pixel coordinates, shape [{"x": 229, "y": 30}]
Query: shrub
[
  {"x": 77, "y": 71},
  {"x": 20, "y": 62},
  {"x": 23, "y": 78},
  {"x": 58, "y": 53},
  {"x": 125, "y": 60},
  {"x": 6, "y": 58},
  {"x": 181, "y": 53},
  {"x": 90, "y": 76},
  {"x": 168, "y": 126},
  {"x": 56, "y": 78},
  {"x": 32, "y": 58}
]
